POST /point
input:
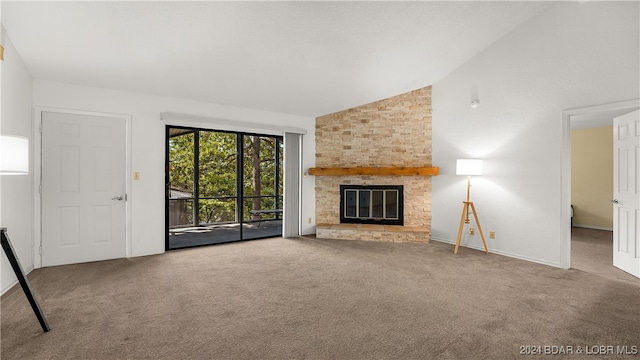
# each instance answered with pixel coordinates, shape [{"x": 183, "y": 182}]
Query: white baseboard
[
  {"x": 502, "y": 253},
  {"x": 15, "y": 282},
  {"x": 593, "y": 227}
]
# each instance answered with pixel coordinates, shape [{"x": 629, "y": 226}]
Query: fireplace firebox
[{"x": 372, "y": 204}]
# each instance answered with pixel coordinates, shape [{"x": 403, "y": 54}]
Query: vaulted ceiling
[{"x": 304, "y": 58}]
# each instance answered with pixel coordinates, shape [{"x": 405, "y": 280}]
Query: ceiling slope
[{"x": 303, "y": 58}]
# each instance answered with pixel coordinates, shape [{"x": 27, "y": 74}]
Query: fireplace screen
[{"x": 371, "y": 204}]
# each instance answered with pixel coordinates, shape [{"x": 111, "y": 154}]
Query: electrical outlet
[
  {"x": 472, "y": 231},
  {"x": 492, "y": 234},
  {"x": 309, "y": 220}
]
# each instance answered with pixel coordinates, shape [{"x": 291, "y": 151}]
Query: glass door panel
[
  {"x": 217, "y": 194},
  {"x": 181, "y": 192},
  {"x": 203, "y": 196},
  {"x": 262, "y": 186},
  {"x": 183, "y": 215}
]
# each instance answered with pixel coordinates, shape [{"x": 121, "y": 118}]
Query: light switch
[{"x": 136, "y": 175}]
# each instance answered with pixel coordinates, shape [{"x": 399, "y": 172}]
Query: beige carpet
[
  {"x": 318, "y": 299},
  {"x": 592, "y": 252}
]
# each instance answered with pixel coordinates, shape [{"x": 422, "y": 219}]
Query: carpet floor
[
  {"x": 592, "y": 252},
  {"x": 307, "y": 298}
]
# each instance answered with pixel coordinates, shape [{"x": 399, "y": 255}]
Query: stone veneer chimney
[{"x": 394, "y": 132}]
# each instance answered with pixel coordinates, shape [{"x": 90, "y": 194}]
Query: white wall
[
  {"x": 572, "y": 55},
  {"x": 148, "y": 146},
  {"x": 16, "y": 191}
]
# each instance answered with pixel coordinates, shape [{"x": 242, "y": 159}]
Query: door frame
[
  {"x": 565, "y": 192},
  {"x": 37, "y": 175}
]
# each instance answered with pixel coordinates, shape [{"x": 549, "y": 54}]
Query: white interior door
[
  {"x": 626, "y": 192},
  {"x": 83, "y": 188}
]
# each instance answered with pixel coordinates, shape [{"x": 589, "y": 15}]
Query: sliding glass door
[{"x": 222, "y": 187}]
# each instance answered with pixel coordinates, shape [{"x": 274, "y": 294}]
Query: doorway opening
[
  {"x": 222, "y": 186},
  {"x": 588, "y": 117}
]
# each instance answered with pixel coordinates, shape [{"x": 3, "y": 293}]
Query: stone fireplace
[{"x": 376, "y": 147}]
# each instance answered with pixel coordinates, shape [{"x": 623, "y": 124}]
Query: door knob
[
  {"x": 119, "y": 198},
  {"x": 615, "y": 201}
]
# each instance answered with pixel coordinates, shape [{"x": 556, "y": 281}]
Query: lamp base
[{"x": 465, "y": 220}]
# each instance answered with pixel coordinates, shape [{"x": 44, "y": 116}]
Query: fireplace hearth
[{"x": 372, "y": 204}]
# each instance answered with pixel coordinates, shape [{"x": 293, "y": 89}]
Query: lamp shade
[
  {"x": 469, "y": 167},
  {"x": 14, "y": 155}
]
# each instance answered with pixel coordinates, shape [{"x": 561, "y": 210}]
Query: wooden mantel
[{"x": 398, "y": 171}]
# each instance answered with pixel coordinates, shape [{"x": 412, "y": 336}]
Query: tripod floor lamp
[
  {"x": 469, "y": 167},
  {"x": 14, "y": 160}
]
